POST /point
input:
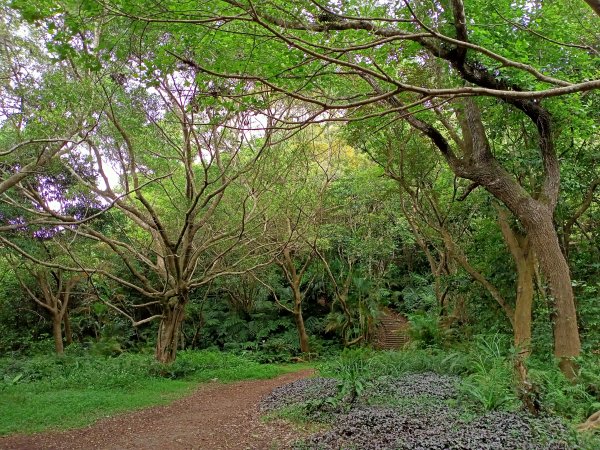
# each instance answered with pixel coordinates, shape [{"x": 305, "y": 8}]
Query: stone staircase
[{"x": 392, "y": 331}]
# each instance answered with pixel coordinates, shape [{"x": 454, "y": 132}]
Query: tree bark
[
  {"x": 544, "y": 241},
  {"x": 299, "y": 319},
  {"x": 68, "y": 329},
  {"x": 303, "y": 336},
  {"x": 169, "y": 330},
  {"x": 57, "y": 334},
  {"x": 524, "y": 303},
  {"x": 519, "y": 246}
]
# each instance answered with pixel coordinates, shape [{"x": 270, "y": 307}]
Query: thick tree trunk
[
  {"x": 57, "y": 334},
  {"x": 169, "y": 330},
  {"x": 544, "y": 241}
]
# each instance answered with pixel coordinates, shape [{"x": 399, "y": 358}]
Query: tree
[
  {"x": 171, "y": 240},
  {"x": 304, "y": 169},
  {"x": 41, "y": 117},
  {"x": 55, "y": 290},
  {"x": 380, "y": 51}
]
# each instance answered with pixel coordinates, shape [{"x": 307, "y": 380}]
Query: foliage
[
  {"x": 491, "y": 379},
  {"x": 558, "y": 395},
  {"x": 370, "y": 365},
  {"x": 418, "y": 295},
  {"x": 425, "y": 330},
  {"x": 400, "y": 387},
  {"x": 353, "y": 370}
]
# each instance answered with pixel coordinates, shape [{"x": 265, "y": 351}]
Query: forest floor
[{"x": 216, "y": 416}]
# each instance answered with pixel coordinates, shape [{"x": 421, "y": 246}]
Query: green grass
[
  {"x": 27, "y": 410},
  {"x": 48, "y": 392}
]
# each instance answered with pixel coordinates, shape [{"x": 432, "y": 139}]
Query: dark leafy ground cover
[
  {"x": 412, "y": 411},
  {"x": 305, "y": 390}
]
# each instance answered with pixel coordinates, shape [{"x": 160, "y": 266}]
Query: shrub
[{"x": 425, "y": 330}]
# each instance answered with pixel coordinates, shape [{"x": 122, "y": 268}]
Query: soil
[{"x": 216, "y": 417}]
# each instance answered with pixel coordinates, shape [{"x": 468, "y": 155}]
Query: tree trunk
[
  {"x": 544, "y": 241},
  {"x": 523, "y": 256},
  {"x": 303, "y": 336},
  {"x": 68, "y": 330},
  {"x": 294, "y": 278},
  {"x": 169, "y": 330},
  {"x": 537, "y": 219},
  {"x": 525, "y": 261},
  {"x": 524, "y": 303},
  {"x": 299, "y": 319},
  {"x": 57, "y": 333}
]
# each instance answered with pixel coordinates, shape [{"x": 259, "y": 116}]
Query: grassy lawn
[{"x": 42, "y": 393}]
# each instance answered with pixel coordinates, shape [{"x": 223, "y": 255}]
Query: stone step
[{"x": 393, "y": 332}]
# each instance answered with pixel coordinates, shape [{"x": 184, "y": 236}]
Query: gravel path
[{"x": 215, "y": 417}]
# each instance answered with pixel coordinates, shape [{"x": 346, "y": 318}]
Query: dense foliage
[{"x": 275, "y": 179}]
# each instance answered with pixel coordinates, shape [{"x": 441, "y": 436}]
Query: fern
[{"x": 314, "y": 325}]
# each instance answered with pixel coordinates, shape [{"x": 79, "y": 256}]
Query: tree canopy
[{"x": 336, "y": 159}]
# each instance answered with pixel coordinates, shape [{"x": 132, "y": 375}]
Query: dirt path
[{"x": 215, "y": 417}]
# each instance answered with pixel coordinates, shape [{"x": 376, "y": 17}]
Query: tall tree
[
  {"x": 178, "y": 176},
  {"x": 376, "y": 54}
]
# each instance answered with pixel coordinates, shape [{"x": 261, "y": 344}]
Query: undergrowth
[{"x": 487, "y": 379}]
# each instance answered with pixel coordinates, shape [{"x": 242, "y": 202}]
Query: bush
[
  {"x": 83, "y": 371},
  {"x": 425, "y": 330}
]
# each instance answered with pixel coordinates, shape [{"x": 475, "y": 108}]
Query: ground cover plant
[{"x": 368, "y": 400}]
